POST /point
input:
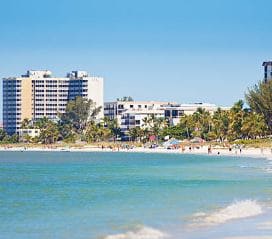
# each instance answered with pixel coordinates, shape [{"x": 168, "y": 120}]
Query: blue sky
[{"x": 175, "y": 50}]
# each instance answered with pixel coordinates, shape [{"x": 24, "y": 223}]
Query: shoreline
[{"x": 246, "y": 152}]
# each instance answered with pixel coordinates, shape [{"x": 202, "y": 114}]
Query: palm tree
[
  {"x": 49, "y": 133},
  {"x": 26, "y": 123},
  {"x": 220, "y": 123},
  {"x": 113, "y": 126},
  {"x": 236, "y": 116},
  {"x": 136, "y": 133},
  {"x": 259, "y": 99},
  {"x": 254, "y": 126}
]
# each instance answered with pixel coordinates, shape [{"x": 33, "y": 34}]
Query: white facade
[
  {"x": 114, "y": 110},
  {"x": 173, "y": 112},
  {"x": 136, "y": 118},
  {"x": 189, "y": 109},
  {"x": 96, "y": 93},
  {"x": 29, "y": 132},
  {"x": 130, "y": 114}
]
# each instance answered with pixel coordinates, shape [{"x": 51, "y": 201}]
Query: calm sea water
[{"x": 132, "y": 195}]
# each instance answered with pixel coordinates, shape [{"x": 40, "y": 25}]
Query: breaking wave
[
  {"x": 139, "y": 233},
  {"x": 236, "y": 210}
]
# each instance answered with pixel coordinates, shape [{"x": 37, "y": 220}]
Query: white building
[
  {"x": 173, "y": 112},
  {"x": 29, "y": 132},
  {"x": 130, "y": 114},
  {"x": 114, "y": 110},
  {"x": 136, "y": 118}
]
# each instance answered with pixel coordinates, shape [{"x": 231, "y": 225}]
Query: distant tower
[{"x": 267, "y": 70}]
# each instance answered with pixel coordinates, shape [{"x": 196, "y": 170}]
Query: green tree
[
  {"x": 49, "y": 131},
  {"x": 153, "y": 125},
  {"x": 113, "y": 126},
  {"x": 220, "y": 121},
  {"x": 12, "y": 139},
  {"x": 26, "y": 124},
  {"x": 254, "y": 126},
  {"x": 135, "y": 133},
  {"x": 259, "y": 98},
  {"x": 67, "y": 133},
  {"x": 96, "y": 132},
  {"x": 2, "y": 134},
  {"x": 177, "y": 132},
  {"x": 236, "y": 116},
  {"x": 78, "y": 112},
  {"x": 187, "y": 123},
  {"x": 202, "y": 122}
]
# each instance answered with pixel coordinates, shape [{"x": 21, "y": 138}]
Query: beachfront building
[
  {"x": 136, "y": 118},
  {"x": 130, "y": 114},
  {"x": 115, "y": 109},
  {"x": 267, "y": 70},
  {"x": 32, "y": 133},
  {"x": 38, "y": 94},
  {"x": 173, "y": 112}
]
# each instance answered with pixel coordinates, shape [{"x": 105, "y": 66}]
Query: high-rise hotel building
[
  {"x": 267, "y": 70},
  {"x": 38, "y": 94}
]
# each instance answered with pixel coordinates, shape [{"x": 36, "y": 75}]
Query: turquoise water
[{"x": 93, "y": 195}]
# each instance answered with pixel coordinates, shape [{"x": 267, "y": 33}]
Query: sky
[{"x": 175, "y": 50}]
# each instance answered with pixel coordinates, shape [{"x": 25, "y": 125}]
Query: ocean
[{"x": 86, "y": 195}]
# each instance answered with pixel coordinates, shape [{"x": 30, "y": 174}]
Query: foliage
[
  {"x": 125, "y": 98},
  {"x": 113, "y": 126},
  {"x": 79, "y": 112},
  {"x": 11, "y": 139},
  {"x": 177, "y": 132},
  {"x": 49, "y": 131},
  {"x": 2, "y": 134},
  {"x": 136, "y": 133},
  {"x": 26, "y": 123},
  {"x": 96, "y": 132},
  {"x": 259, "y": 98}
]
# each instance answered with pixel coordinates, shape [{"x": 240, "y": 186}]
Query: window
[
  {"x": 174, "y": 113},
  {"x": 167, "y": 113}
]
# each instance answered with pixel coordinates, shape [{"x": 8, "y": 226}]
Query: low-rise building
[
  {"x": 173, "y": 112},
  {"x": 29, "y": 132},
  {"x": 115, "y": 109},
  {"x": 130, "y": 114},
  {"x": 137, "y": 118}
]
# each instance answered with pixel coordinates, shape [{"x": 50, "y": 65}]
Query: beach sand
[{"x": 246, "y": 152}]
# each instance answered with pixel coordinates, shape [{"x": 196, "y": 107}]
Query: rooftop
[{"x": 267, "y": 63}]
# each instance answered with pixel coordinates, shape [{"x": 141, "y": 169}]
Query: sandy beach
[{"x": 215, "y": 151}]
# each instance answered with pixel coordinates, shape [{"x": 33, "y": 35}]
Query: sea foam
[
  {"x": 139, "y": 233},
  {"x": 236, "y": 210}
]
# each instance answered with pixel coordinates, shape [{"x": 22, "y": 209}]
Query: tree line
[{"x": 79, "y": 123}]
